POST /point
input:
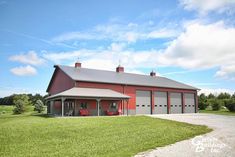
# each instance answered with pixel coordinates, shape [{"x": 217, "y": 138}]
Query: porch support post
[
  {"x": 51, "y": 106},
  {"x": 127, "y": 107},
  {"x": 98, "y": 106},
  {"x": 183, "y": 102},
  {"x": 168, "y": 103},
  {"x": 62, "y": 106},
  {"x": 122, "y": 106}
]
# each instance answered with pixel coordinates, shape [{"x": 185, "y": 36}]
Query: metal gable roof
[
  {"x": 90, "y": 93},
  {"x": 104, "y": 76}
]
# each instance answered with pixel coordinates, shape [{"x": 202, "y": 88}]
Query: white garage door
[
  {"x": 143, "y": 102},
  {"x": 189, "y": 103},
  {"x": 176, "y": 102},
  {"x": 160, "y": 102}
]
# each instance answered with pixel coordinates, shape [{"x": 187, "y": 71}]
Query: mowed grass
[
  {"x": 38, "y": 136},
  {"x": 5, "y": 109},
  {"x": 8, "y": 110},
  {"x": 220, "y": 112}
]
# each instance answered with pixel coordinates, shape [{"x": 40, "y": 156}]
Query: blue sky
[{"x": 191, "y": 41}]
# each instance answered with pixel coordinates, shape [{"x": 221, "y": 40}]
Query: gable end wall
[{"x": 60, "y": 82}]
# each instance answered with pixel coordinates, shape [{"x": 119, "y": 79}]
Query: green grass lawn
[
  {"x": 37, "y": 136},
  {"x": 220, "y": 112},
  {"x": 8, "y": 109},
  {"x": 4, "y": 109}
]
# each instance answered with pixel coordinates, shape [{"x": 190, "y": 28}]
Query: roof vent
[
  {"x": 78, "y": 65},
  {"x": 120, "y": 69},
  {"x": 152, "y": 73}
]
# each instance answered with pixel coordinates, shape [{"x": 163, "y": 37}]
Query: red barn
[{"x": 77, "y": 91}]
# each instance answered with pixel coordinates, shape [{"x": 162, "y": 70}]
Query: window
[
  {"x": 143, "y": 105},
  {"x": 148, "y": 105},
  {"x": 69, "y": 105},
  {"x": 113, "y": 105},
  {"x": 193, "y": 105},
  {"x": 185, "y": 105},
  {"x": 175, "y": 105},
  {"x": 160, "y": 105},
  {"x": 189, "y": 105},
  {"x": 137, "y": 105},
  {"x": 179, "y": 105},
  {"x": 164, "y": 105},
  {"x": 84, "y": 105},
  {"x": 155, "y": 105},
  {"x": 171, "y": 105}
]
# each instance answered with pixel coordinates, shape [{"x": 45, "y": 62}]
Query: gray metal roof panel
[
  {"x": 90, "y": 92},
  {"x": 104, "y": 76}
]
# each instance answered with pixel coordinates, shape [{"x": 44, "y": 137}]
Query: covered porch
[{"x": 87, "y": 102}]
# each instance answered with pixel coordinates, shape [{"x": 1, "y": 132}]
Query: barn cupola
[
  {"x": 78, "y": 64},
  {"x": 152, "y": 73},
  {"x": 120, "y": 69}
]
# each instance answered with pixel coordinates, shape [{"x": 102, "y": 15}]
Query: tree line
[
  {"x": 23, "y": 102},
  {"x": 8, "y": 100},
  {"x": 216, "y": 102}
]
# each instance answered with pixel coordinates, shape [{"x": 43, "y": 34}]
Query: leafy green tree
[
  {"x": 8, "y": 100},
  {"x": 202, "y": 96},
  {"x": 211, "y": 96},
  {"x": 216, "y": 105},
  {"x": 224, "y": 96},
  {"x": 202, "y": 102},
  {"x": 34, "y": 98},
  {"x": 20, "y": 102},
  {"x": 39, "y": 106},
  {"x": 233, "y": 96},
  {"x": 230, "y": 105}
]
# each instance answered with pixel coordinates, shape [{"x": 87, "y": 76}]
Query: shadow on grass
[
  {"x": 12, "y": 116},
  {"x": 43, "y": 115}
]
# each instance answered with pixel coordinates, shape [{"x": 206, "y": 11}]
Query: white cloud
[
  {"x": 58, "y": 57},
  {"x": 75, "y": 35},
  {"x": 178, "y": 72},
  {"x": 215, "y": 91},
  {"x": 29, "y": 58},
  {"x": 106, "y": 58},
  {"x": 199, "y": 47},
  {"x": 117, "y": 46},
  {"x": 117, "y": 32},
  {"x": 226, "y": 72},
  {"x": 204, "y": 6},
  {"x": 202, "y": 46},
  {"x": 24, "y": 70},
  {"x": 162, "y": 33}
]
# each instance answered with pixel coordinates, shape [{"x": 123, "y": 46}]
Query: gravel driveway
[{"x": 218, "y": 143}]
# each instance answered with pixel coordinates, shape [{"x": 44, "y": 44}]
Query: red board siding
[
  {"x": 130, "y": 90},
  {"x": 60, "y": 82},
  {"x": 91, "y": 103}
]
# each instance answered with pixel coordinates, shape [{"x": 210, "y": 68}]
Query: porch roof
[{"x": 90, "y": 93}]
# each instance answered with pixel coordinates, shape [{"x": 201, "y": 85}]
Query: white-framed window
[
  {"x": 113, "y": 105},
  {"x": 83, "y": 105}
]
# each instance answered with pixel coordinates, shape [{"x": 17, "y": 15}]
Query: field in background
[{"x": 220, "y": 112}]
